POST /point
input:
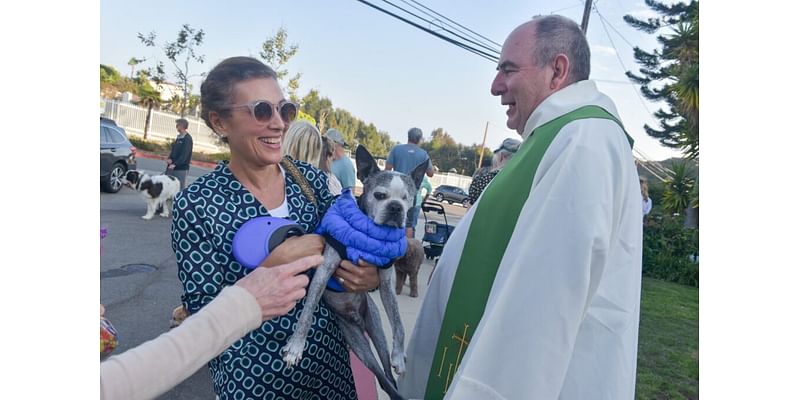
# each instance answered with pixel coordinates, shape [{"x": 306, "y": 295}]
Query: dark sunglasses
[{"x": 262, "y": 110}]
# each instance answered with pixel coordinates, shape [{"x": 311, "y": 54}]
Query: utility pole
[
  {"x": 480, "y": 160},
  {"x": 322, "y": 115},
  {"x": 585, "y": 21}
]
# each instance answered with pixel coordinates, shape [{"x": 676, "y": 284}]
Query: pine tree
[{"x": 671, "y": 74}]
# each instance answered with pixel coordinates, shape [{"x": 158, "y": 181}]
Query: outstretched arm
[{"x": 154, "y": 367}]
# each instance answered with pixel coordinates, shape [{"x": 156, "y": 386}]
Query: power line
[
  {"x": 639, "y": 96},
  {"x": 647, "y": 168},
  {"x": 624, "y": 68},
  {"x": 488, "y": 56},
  {"x": 613, "y": 81},
  {"x": 612, "y": 27},
  {"x": 657, "y": 165},
  {"x": 441, "y": 24},
  {"x": 440, "y": 36},
  {"x": 484, "y": 37},
  {"x": 491, "y": 49},
  {"x": 566, "y": 8}
]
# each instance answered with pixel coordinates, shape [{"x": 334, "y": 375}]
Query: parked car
[
  {"x": 117, "y": 155},
  {"x": 452, "y": 194}
]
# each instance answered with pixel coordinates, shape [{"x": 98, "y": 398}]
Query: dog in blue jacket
[{"x": 373, "y": 227}]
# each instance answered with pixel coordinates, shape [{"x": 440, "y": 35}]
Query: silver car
[{"x": 117, "y": 155}]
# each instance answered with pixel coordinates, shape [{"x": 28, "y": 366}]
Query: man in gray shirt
[
  {"x": 341, "y": 167},
  {"x": 404, "y": 158}
]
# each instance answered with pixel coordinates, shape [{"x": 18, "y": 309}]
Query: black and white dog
[
  {"x": 158, "y": 191},
  {"x": 387, "y": 197}
]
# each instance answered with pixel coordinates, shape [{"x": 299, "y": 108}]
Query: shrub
[
  {"x": 151, "y": 146},
  {"x": 163, "y": 148},
  {"x": 212, "y": 158},
  {"x": 670, "y": 250}
]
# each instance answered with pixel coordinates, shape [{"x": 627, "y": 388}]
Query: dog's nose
[{"x": 395, "y": 208}]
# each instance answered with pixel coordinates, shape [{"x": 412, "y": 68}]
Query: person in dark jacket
[{"x": 181, "y": 154}]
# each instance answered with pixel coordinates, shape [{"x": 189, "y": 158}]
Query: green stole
[{"x": 488, "y": 236}]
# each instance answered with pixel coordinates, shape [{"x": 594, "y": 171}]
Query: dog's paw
[
  {"x": 292, "y": 354},
  {"x": 414, "y": 294},
  {"x": 399, "y": 363},
  {"x": 164, "y": 215},
  {"x": 147, "y": 217}
]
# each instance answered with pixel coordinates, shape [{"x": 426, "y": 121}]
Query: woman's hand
[
  {"x": 278, "y": 289},
  {"x": 360, "y": 278},
  {"x": 294, "y": 248}
]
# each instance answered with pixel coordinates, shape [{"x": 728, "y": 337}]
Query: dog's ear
[
  {"x": 365, "y": 164},
  {"x": 418, "y": 174},
  {"x": 131, "y": 176}
]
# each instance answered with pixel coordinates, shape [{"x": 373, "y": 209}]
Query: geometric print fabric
[
  {"x": 206, "y": 217},
  {"x": 479, "y": 184}
]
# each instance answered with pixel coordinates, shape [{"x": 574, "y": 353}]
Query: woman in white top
[{"x": 647, "y": 203}]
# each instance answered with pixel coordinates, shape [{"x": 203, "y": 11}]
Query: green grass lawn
[{"x": 668, "y": 366}]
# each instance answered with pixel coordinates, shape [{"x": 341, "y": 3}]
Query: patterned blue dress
[{"x": 206, "y": 216}]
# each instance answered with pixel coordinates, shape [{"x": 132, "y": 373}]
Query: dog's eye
[{"x": 380, "y": 196}]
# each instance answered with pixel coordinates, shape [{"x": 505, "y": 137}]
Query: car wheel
[
  {"x": 439, "y": 198},
  {"x": 465, "y": 203},
  {"x": 113, "y": 183}
]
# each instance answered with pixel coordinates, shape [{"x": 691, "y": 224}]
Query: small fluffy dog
[
  {"x": 387, "y": 197},
  {"x": 158, "y": 191},
  {"x": 408, "y": 265}
]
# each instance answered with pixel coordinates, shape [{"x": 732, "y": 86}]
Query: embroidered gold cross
[{"x": 451, "y": 368}]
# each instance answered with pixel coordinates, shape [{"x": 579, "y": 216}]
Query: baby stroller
[{"x": 436, "y": 233}]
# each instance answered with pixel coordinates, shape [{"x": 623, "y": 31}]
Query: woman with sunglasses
[{"x": 243, "y": 103}]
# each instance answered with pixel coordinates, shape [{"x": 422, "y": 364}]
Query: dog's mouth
[{"x": 394, "y": 219}]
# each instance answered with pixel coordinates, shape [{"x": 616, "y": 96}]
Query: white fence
[
  {"x": 162, "y": 125},
  {"x": 448, "y": 178}
]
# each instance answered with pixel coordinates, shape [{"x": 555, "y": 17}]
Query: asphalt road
[
  {"x": 139, "y": 280},
  {"x": 138, "y": 275}
]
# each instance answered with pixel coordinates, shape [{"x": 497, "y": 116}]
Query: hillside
[{"x": 667, "y": 164}]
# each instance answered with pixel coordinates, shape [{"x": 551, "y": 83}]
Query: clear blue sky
[{"x": 381, "y": 69}]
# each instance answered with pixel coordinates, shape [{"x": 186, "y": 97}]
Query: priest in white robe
[{"x": 536, "y": 294}]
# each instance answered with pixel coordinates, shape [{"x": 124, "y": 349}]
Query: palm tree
[
  {"x": 684, "y": 46},
  {"x": 134, "y": 62},
  {"x": 679, "y": 190},
  {"x": 148, "y": 97}
]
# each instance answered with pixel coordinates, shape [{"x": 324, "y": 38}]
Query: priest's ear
[{"x": 560, "y": 65}]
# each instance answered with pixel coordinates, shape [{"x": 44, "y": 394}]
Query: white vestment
[{"x": 562, "y": 316}]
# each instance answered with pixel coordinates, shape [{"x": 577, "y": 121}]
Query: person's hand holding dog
[
  {"x": 357, "y": 278},
  {"x": 293, "y": 248},
  {"x": 278, "y": 289}
]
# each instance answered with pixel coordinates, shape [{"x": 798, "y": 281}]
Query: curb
[{"x": 153, "y": 156}]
